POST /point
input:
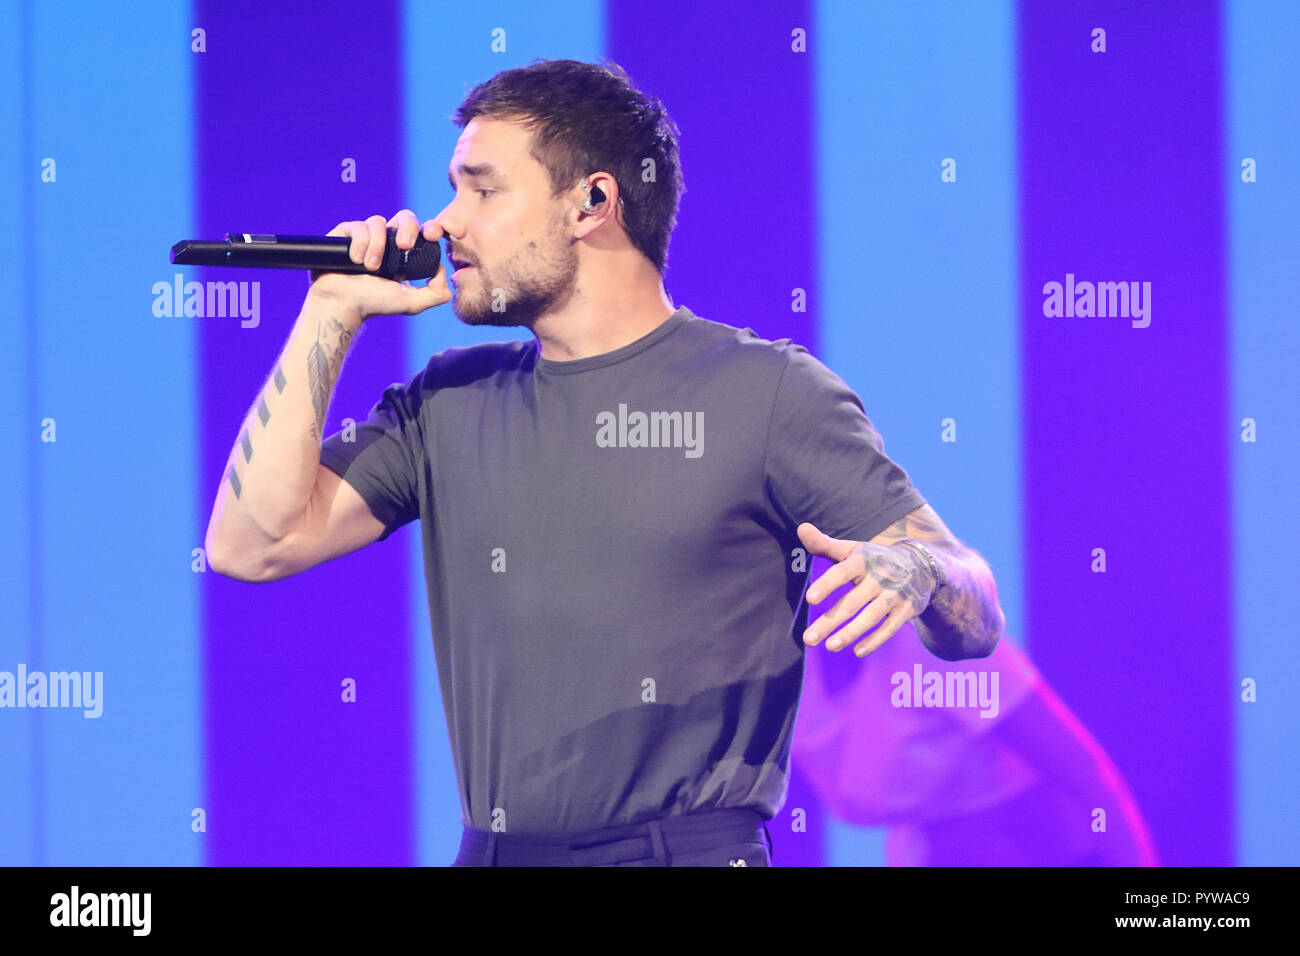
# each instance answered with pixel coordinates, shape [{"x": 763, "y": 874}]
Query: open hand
[{"x": 894, "y": 582}]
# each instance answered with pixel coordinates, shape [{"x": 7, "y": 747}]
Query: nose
[{"x": 452, "y": 225}]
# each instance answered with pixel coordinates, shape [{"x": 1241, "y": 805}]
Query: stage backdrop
[{"x": 895, "y": 186}]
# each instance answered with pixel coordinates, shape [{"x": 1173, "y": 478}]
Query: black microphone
[{"x": 319, "y": 253}]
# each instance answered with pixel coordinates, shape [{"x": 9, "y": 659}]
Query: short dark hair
[{"x": 586, "y": 117}]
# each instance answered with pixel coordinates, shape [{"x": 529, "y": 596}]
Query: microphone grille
[{"x": 420, "y": 262}]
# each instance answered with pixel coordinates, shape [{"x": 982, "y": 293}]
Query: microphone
[{"x": 319, "y": 253}]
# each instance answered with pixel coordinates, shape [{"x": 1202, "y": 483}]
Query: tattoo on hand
[
  {"x": 905, "y": 573},
  {"x": 968, "y": 605}
]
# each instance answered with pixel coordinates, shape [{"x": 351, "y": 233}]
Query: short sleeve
[
  {"x": 825, "y": 461},
  {"x": 384, "y": 459}
]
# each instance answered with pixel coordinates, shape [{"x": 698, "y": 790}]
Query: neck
[{"x": 628, "y": 302}]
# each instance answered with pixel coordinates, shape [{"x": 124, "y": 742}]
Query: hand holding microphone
[
  {"x": 373, "y": 295},
  {"x": 378, "y": 263}
]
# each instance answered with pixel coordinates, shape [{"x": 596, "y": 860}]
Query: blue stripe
[
  {"x": 105, "y": 515},
  {"x": 849, "y": 845},
  {"x": 1263, "y": 124},
  {"x": 918, "y": 276},
  {"x": 446, "y": 55},
  {"x": 20, "y": 793}
]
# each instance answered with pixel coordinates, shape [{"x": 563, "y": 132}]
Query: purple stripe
[
  {"x": 744, "y": 239},
  {"x": 1121, "y": 172},
  {"x": 294, "y": 774},
  {"x": 743, "y": 101}
]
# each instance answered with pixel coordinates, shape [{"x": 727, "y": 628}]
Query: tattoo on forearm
[
  {"x": 924, "y": 526},
  {"x": 322, "y": 371},
  {"x": 245, "y": 436},
  {"x": 966, "y": 610},
  {"x": 323, "y": 368}
]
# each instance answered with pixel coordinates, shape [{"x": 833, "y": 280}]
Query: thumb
[
  {"x": 812, "y": 538},
  {"x": 434, "y": 292},
  {"x": 823, "y": 544}
]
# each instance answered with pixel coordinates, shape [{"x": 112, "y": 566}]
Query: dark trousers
[{"x": 731, "y": 837}]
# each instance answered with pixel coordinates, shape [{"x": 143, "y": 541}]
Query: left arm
[{"x": 964, "y": 619}]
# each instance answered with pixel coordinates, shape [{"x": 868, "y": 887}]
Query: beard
[{"x": 525, "y": 287}]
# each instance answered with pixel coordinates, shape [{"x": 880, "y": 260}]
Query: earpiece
[{"x": 594, "y": 197}]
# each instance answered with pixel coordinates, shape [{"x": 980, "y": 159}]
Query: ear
[{"x": 602, "y": 211}]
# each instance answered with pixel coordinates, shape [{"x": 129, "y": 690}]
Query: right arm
[{"x": 278, "y": 510}]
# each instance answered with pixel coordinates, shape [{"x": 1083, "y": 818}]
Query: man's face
[{"x": 503, "y": 222}]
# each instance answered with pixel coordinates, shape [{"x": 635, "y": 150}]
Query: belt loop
[
  {"x": 489, "y": 856},
  {"x": 770, "y": 853},
  {"x": 657, "y": 839}
]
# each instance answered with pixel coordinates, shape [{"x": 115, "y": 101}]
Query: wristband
[{"x": 940, "y": 579}]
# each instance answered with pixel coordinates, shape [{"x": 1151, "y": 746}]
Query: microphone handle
[
  {"x": 319, "y": 253},
  {"x": 322, "y": 253}
]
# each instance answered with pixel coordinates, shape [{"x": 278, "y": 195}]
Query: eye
[{"x": 485, "y": 192}]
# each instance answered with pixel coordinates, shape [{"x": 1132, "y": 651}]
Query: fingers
[
  {"x": 439, "y": 284},
  {"x": 434, "y": 292},
  {"x": 848, "y": 605},
  {"x": 407, "y": 226},
  {"x": 377, "y": 227},
  {"x": 370, "y": 238},
  {"x": 887, "y": 606},
  {"x": 360, "y": 238},
  {"x": 884, "y": 605},
  {"x": 837, "y": 576},
  {"x": 342, "y": 229},
  {"x": 875, "y": 640},
  {"x": 409, "y": 229}
]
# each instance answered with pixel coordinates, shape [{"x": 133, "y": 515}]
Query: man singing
[{"x": 617, "y": 515}]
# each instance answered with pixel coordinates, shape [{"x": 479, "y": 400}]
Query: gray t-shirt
[{"x": 614, "y": 579}]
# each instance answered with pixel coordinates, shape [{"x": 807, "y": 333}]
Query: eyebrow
[{"x": 479, "y": 171}]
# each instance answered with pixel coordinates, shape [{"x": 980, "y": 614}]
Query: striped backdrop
[{"x": 920, "y": 171}]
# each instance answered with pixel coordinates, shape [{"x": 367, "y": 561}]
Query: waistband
[{"x": 656, "y": 839}]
